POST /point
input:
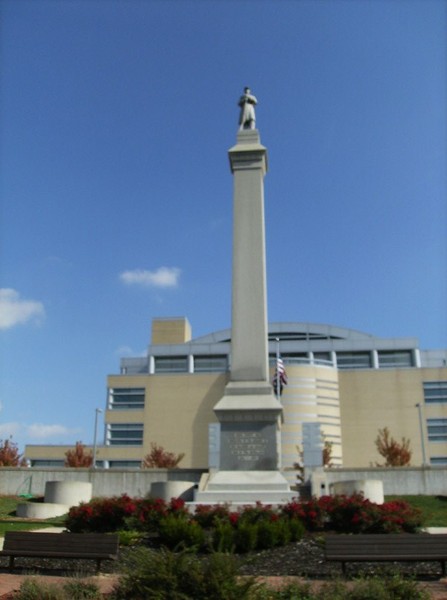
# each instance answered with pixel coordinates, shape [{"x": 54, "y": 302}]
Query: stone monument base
[{"x": 247, "y": 487}]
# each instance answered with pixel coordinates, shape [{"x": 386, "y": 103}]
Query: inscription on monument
[{"x": 248, "y": 446}]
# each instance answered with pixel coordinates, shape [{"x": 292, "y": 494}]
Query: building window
[
  {"x": 297, "y": 358},
  {"x": 210, "y": 364},
  {"x": 322, "y": 358},
  {"x": 438, "y": 460},
  {"x": 354, "y": 360},
  {"x": 435, "y": 392},
  {"x": 126, "y": 398},
  {"x": 124, "y": 464},
  {"x": 395, "y": 359},
  {"x": 171, "y": 364},
  {"x": 437, "y": 430},
  {"x": 125, "y": 434},
  {"x": 47, "y": 463}
]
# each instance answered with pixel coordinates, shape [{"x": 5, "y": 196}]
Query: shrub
[
  {"x": 100, "y": 515},
  {"x": 207, "y": 515},
  {"x": 129, "y": 537},
  {"x": 246, "y": 537},
  {"x": 258, "y": 512},
  {"x": 166, "y": 575},
  {"x": 76, "y": 589},
  {"x": 177, "y": 532},
  {"x": 354, "y": 514},
  {"x": 223, "y": 537},
  {"x": 35, "y": 589},
  {"x": 73, "y": 589},
  {"x": 159, "y": 458},
  {"x": 150, "y": 511}
]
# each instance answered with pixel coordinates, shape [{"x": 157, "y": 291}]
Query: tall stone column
[
  {"x": 249, "y": 414},
  {"x": 249, "y": 350}
]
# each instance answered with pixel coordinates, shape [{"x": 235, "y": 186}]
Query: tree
[
  {"x": 327, "y": 454},
  {"x": 78, "y": 458},
  {"x": 159, "y": 458},
  {"x": 395, "y": 454},
  {"x": 9, "y": 454}
]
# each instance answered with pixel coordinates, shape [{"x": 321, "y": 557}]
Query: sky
[{"x": 116, "y": 194}]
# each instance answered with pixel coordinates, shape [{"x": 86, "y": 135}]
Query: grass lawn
[
  {"x": 434, "y": 508},
  {"x": 9, "y": 522}
]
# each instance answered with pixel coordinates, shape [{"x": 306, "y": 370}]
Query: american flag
[{"x": 280, "y": 376}]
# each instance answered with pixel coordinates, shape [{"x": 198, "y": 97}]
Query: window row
[
  {"x": 435, "y": 392},
  {"x": 383, "y": 359},
  {"x": 180, "y": 364},
  {"x": 125, "y": 434},
  {"x": 437, "y": 430},
  {"x": 126, "y": 398},
  {"x": 386, "y": 359}
]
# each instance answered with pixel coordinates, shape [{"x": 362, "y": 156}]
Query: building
[{"x": 350, "y": 383}]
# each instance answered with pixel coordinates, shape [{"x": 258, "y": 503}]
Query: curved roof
[{"x": 295, "y": 331}]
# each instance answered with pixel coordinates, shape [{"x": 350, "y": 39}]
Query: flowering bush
[
  {"x": 100, "y": 514},
  {"x": 122, "y": 512},
  {"x": 354, "y": 514},
  {"x": 258, "y": 526}
]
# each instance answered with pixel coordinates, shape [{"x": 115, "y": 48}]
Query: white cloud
[
  {"x": 23, "y": 433},
  {"x": 15, "y": 311},
  {"x": 124, "y": 351},
  {"x": 41, "y": 431},
  {"x": 8, "y": 430},
  {"x": 163, "y": 277}
]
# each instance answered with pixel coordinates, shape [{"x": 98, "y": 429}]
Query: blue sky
[{"x": 116, "y": 193}]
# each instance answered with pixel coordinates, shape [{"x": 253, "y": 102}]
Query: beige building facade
[{"x": 344, "y": 383}]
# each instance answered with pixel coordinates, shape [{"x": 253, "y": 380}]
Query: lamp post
[
  {"x": 97, "y": 411},
  {"x": 421, "y": 429}
]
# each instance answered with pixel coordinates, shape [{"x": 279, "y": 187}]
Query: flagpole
[{"x": 278, "y": 377}]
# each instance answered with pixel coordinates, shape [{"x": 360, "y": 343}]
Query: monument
[{"x": 249, "y": 414}]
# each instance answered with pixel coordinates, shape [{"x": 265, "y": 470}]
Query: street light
[
  {"x": 421, "y": 429},
  {"x": 97, "y": 411}
]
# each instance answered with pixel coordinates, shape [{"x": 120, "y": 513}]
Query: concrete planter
[
  {"x": 40, "y": 510},
  {"x": 173, "y": 489},
  {"x": 372, "y": 489},
  {"x": 70, "y": 493}
]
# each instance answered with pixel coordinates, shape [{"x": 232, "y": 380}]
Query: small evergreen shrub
[
  {"x": 177, "y": 532},
  {"x": 246, "y": 537},
  {"x": 73, "y": 589},
  {"x": 223, "y": 537},
  {"x": 167, "y": 575},
  {"x": 35, "y": 589}
]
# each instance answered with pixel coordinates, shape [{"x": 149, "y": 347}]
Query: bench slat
[
  {"x": 94, "y": 546},
  {"x": 386, "y": 547}
]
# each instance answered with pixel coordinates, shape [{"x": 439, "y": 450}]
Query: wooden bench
[
  {"x": 413, "y": 547},
  {"x": 94, "y": 546}
]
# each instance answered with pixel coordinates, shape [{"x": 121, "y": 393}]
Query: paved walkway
[{"x": 10, "y": 583}]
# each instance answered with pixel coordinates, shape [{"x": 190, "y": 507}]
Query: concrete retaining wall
[
  {"x": 105, "y": 482},
  {"x": 429, "y": 481},
  {"x": 399, "y": 481}
]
